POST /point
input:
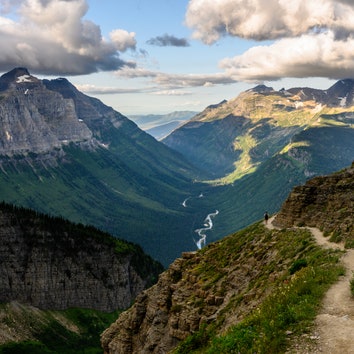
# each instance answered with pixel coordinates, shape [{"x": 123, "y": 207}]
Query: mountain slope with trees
[
  {"x": 66, "y": 154},
  {"x": 261, "y": 144},
  {"x": 257, "y": 290}
]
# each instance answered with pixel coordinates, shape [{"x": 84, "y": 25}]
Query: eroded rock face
[
  {"x": 156, "y": 322},
  {"x": 325, "y": 202},
  {"x": 60, "y": 267},
  {"x": 34, "y": 118},
  {"x": 193, "y": 292}
]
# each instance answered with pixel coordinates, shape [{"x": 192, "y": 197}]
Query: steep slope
[
  {"x": 253, "y": 291},
  {"x": 68, "y": 154},
  {"x": 53, "y": 264},
  {"x": 234, "y": 137},
  {"x": 263, "y": 143},
  {"x": 323, "y": 202}
]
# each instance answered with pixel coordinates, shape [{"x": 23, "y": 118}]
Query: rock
[
  {"x": 325, "y": 202},
  {"x": 57, "y": 267},
  {"x": 34, "y": 118}
]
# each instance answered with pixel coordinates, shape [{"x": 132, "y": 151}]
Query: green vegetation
[
  {"x": 290, "y": 279},
  {"x": 60, "y": 332},
  {"x": 97, "y": 188},
  {"x": 62, "y": 231}
]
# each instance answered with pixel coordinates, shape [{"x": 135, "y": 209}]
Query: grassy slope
[
  {"x": 285, "y": 285},
  {"x": 322, "y": 149},
  {"x": 98, "y": 189},
  {"x": 52, "y": 332}
]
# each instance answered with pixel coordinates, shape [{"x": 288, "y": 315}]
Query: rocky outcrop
[
  {"x": 198, "y": 289},
  {"x": 53, "y": 264},
  {"x": 325, "y": 202}
]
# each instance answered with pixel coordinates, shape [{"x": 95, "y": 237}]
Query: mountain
[
  {"x": 160, "y": 125},
  {"x": 255, "y": 291},
  {"x": 234, "y": 137},
  {"x": 67, "y": 154},
  {"x": 261, "y": 144},
  {"x": 49, "y": 267},
  {"x": 325, "y": 202},
  {"x": 51, "y": 263}
]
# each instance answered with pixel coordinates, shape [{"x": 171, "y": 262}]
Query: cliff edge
[
  {"x": 325, "y": 202},
  {"x": 51, "y": 263}
]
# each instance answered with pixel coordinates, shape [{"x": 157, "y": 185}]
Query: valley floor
[{"x": 334, "y": 325}]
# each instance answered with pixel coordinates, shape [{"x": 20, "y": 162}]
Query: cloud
[
  {"x": 172, "y": 93},
  {"x": 95, "y": 90},
  {"x": 309, "y": 38},
  {"x": 168, "y": 40},
  {"x": 307, "y": 56},
  {"x": 263, "y": 20},
  {"x": 51, "y": 37},
  {"x": 175, "y": 81}
]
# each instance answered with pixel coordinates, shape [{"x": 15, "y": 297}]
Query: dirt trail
[{"x": 334, "y": 325}]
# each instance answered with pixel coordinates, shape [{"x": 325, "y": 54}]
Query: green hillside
[
  {"x": 52, "y": 332},
  {"x": 96, "y": 188},
  {"x": 285, "y": 285},
  {"x": 94, "y": 166},
  {"x": 260, "y": 145}
]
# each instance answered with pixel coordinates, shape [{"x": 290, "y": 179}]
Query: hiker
[{"x": 266, "y": 217}]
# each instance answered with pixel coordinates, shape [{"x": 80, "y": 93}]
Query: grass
[
  {"x": 51, "y": 336},
  {"x": 290, "y": 285}
]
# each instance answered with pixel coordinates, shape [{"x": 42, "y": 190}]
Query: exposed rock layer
[
  {"x": 53, "y": 264},
  {"x": 35, "y": 119},
  {"x": 325, "y": 202}
]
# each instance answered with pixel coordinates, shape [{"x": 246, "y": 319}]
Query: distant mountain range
[
  {"x": 259, "y": 145},
  {"x": 160, "y": 125},
  {"x": 64, "y": 153}
]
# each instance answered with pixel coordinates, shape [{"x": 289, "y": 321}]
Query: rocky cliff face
[
  {"x": 325, "y": 202},
  {"x": 53, "y": 264},
  {"x": 35, "y": 119}
]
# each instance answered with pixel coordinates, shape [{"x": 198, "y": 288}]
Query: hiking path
[{"x": 334, "y": 325}]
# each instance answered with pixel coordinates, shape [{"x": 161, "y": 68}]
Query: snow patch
[
  {"x": 298, "y": 104},
  {"x": 24, "y": 78},
  {"x": 317, "y": 108},
  {"x": 343, "y": 101},
  {"x": 8, "y": 136}
]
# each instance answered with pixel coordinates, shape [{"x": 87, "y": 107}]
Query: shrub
[{"x": 297, "y": 265}]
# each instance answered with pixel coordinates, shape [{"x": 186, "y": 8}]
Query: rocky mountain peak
[
  {"x": 34, "y": 118},
  {"x": 262, "y": 89},
  {"x": 15, "y": 77},
  {"x": 341, "y": 93}
]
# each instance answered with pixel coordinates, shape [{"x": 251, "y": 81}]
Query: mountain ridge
[
  {"x": 53, "y": 264},
  {"x": 67, "y": 154},
  {"x": 236, "y": 289}
]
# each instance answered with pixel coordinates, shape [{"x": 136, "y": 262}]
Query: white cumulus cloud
[
  {"x": 308, "y": 37},
  {"x": 52, "y": 37}
]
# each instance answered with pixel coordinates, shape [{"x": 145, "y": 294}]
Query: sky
[{"x": 160, "y": 56}]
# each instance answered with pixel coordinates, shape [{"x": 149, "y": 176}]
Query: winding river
[{"x": 208, "y": 223}]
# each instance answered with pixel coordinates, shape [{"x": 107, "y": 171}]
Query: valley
[{"x": 85, "y": 187}]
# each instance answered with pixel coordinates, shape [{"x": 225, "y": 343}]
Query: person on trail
[{"x": 266, "y": 217}]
